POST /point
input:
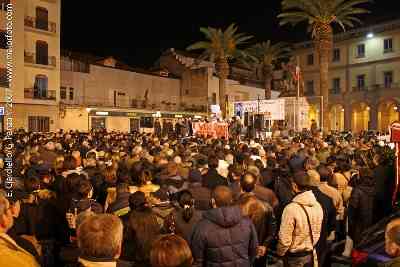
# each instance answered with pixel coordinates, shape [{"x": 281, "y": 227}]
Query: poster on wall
[{"x": 272, "y": 109}]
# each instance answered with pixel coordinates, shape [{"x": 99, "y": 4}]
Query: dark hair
[
  {"x": 213, "y": 162},
  {"x": 84, "y": 189},
  {"x": 271, "y": 162},
  {"x": 324, "y": 173},
  {"x": 223, "y": 196},
  {"x": 248, "y": 182},
  {"x": 186, "y": 201},
  {"x": 69, "y": 163},
  {"x": 32, "y": 184}
]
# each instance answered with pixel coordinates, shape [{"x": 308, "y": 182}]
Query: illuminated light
[
  {"x": 342, "y": 109},
  {"x": 102, "y": 113},
  {"x": 368, "y": 108},
  {"x": 157, "y": 114},
  {"x": 370, "y": 35},
  {"x": 198, "y": 117},
  {"x": 395, "y": 108},
  {"x": 88, "y": 109},
  {"x": 178, "y": 116}
]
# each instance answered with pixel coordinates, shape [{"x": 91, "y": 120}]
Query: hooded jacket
[
  {"x": 294, "y": 234},
  {"x": 361, "y": 206},
  {"x": 224, "y": 238}
]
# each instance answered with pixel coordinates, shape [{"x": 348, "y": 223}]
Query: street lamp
[
  {"x": 88, "y": 116},
  {"x": 370, "y": 35}
]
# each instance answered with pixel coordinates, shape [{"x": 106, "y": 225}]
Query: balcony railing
[
  {"x": 173, "y": 104},
  {"x": 40, "y": 24},
  {"x": 334, "y": 91},
  {"x": 33, "y": 93},
  {"x": 376, "y": 87},
  {"x": 32, "y": 58}
]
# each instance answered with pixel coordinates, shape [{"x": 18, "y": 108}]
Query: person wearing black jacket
[
  {"x": 328, "y": 224},
  {"x": 212, "y": 179}
]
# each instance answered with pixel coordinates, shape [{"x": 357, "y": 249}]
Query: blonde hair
[{"x": 252, "y": 208}]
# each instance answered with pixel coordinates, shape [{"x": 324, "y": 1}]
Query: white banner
[{"x": 272, "y": 109}]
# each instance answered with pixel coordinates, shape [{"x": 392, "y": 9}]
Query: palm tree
[
  {"x": 320, "y": 16},
  {"x": 266, "y": 55},
  {"x": 221, "y": 47}
]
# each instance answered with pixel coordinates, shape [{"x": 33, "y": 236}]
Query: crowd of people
[{"x": 170, "y": 199}]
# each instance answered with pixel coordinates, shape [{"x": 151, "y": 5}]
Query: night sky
[{"x": 137, "y": 33}]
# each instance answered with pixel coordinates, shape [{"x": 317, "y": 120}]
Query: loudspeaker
[{"x": 259, "y": 122}]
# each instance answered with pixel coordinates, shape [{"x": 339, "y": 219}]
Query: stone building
[
  {"x": 106, "y": 93},
  {"x": 35, "y": 62},
  {"x": 364, "y": 75}
]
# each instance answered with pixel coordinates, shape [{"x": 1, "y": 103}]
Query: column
[
  {"x": 347, "y": 116},
  {"x": 373, "y": 117}
]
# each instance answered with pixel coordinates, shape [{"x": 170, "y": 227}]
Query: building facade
[
  {"x": 105, "y": 93},
  {"x": 364, "y": 74},
  {"x": 35, "y": 62}
]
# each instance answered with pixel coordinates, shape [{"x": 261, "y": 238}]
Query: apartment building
[
  {"x": 35, "y": 62},
  {"x": 364, "y": 74},
  {"x": 106, "y": 93}
]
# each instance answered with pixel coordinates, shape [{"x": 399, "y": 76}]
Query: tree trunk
[
  {"x": 324, "y": 42},
  {"x": 223, "y": 72},
  {"x": 268, "y": 80},
  {"x": 324, "y": 84}
]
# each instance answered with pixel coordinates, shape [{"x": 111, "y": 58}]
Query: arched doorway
[
  {"x": 42, "y": 53},
  {"x": 336, "y": 116},
  {"x": 387, "y": 113},
  {"x": 42, "y": 18},
  {"x": 360, "y": 117},
  {"x": 313, "y": 115}
]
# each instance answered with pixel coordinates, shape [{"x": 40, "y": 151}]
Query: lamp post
[{"x": 88, "y": 118}]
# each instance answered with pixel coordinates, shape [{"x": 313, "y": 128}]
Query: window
[
  {"x": 3, "y": 40},
  {"x": 71, "y": 93},
  {"x": 146, "y": 122},
  {"x": 310, "y": 59},
  {"x": 186, "y": 92},
  {"x": 63, "y": 93},
  {"x": 42, "y": 18},
  {"x": 361, "y": 82},
  {"x": 3, "y": 4},
  {"x": 336, "y": 55},
  {"x": 310, "y": 88},
  {"x": 214, "y": 99},
  {"x": 3, "y": 78},
  {"x": 98, "y": 123},
  {"x": 388, "y": 45},
  {"x": 66, "y": 64},
  {"x": 388, "y": 79},
  {"x": 38, "y": 124},
  {"x": 361, "y": 50},
  {"x": 336, "y": 86},
  {"x": 40, "y": 87},
  {"x": 42, "y": 53}
]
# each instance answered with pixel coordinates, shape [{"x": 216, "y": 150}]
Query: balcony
[
  {"x": 32, "y": 58},
  {"x": 309, "y": 92},
  {"x": 41, "y": 25},
  {"x": 32, "y": 93},
  {"x": 335, "y": 91},
  {"x": 361, "y": 88}
]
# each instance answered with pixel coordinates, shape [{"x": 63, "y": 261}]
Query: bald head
[{"x": 222, "y": 196}]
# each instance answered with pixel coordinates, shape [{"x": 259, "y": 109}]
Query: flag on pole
[{"x": 297, "y": 73}]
